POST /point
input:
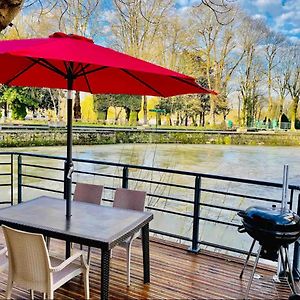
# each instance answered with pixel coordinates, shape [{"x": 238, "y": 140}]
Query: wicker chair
[
  {"x": 90, "y": 193},
  {"x": 3, "y": 258},
  {"x": 30, "y": 266},
  {"x": 129, "y": 199}
]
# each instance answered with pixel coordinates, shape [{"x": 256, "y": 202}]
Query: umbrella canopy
[
  {"x": 48, "y": 62},
  {"x": 75, "y": 63}
]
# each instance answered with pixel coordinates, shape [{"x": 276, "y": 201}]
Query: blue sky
[{"x": 281, "y": 15}]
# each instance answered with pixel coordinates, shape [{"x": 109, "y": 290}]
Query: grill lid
[{"x": 271, "y": 219}]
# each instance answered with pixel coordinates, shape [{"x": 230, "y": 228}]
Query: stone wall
[{"x": 23, "y": 138}]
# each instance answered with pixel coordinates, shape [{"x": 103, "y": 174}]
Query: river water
[{"x": 252, "y": 162}]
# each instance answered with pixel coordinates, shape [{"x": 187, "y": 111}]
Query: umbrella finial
[{"x": 71, "y": 35}]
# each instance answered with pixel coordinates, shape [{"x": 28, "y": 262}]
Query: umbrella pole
[{"x": 69, "y": 163}]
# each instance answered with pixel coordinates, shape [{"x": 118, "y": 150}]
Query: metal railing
[{"x": 197, "y": 199}]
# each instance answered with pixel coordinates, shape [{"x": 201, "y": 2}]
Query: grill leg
[
  {"x": 247, "y": 259},
  {"x": 253, "y": 271},
  {"x": 290, "y": 271},
  {"x": 283, "y": 261}
]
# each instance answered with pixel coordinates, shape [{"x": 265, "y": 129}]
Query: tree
[
  {"x": 136, "y": 28},
  {"x": 8, "y": 11},
  {"x": 273, "y": 41},
  {"x": 217, "y": 53},
  {"x": 102, "y": 104},
  {"x": 293, "y": 81},
  {"x": 280, "y": 79},
  {"x": 132, "y": 106},
  {"x": 19, "y": 99},
  {"x": 251, "y": 35}
]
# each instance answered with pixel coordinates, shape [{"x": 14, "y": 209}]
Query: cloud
[
  {"x": 259, "y": 17},
  {"x": 282, "y": 16}
]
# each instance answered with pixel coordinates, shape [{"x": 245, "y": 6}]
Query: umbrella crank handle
[{"x": 71, "y": 170}]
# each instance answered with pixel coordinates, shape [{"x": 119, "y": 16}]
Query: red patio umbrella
[{"x": 75, "y": 63}]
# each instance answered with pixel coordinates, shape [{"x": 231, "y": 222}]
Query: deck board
[{"x": 175, "y": 274}]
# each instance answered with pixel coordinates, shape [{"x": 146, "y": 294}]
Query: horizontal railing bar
[
  {"x": 239, "y": 195},
  {"x": 171, "y": 235},
  {"x": 39, "y": 155},
  {"x": 4, "y": 163},
  {"x": 209, "y": 244},
  {"x": 42, "y": 167},
  {"x": 169, "y": 211},
  {"x": 220, "y": 207},
  {"x": 5, "y": 174},
  {"x": 97, "y": 174},
  {"x": 218, "y": 221},
  {"x": 170, "y": 198},
  {"x": 161, "y": 183},
  {"x": 4, "y": 184},
  {"x": 41, "y": 188},
  {"x": 107, "y": 200},
  {"x": 42, "y": 177},
  {"x": 5, "y": 202}
]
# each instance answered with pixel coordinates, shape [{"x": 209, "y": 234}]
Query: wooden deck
[{"x": 175, "y": 274}]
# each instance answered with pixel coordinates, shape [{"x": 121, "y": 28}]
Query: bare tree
[
  {"x": 136, "y": 26},
  {"x": 250, "y": 35},
  {"x": 223, "y": 10},
  {"x": 281, "y": 71},
  {"x": 273, "y": 41},
  {"x": 217, "y": 48},
  {"x": 293, "y": 81}
]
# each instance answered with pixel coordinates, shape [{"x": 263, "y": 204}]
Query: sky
[{"x": 281, "y": 15}]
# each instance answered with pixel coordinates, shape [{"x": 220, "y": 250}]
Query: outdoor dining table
[{"x": 92, "y": 225}]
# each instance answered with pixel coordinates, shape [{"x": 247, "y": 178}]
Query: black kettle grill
[
  {"x": 271, "y": 227},
  {"x": 274, "y": 229}
]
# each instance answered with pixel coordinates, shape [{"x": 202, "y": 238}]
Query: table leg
[
  {"x": 68, "y": 249},
  {"x": 146, "y": 256},
  {"x": 105, "y": 260}
]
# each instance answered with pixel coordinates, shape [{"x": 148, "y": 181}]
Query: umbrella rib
[
  {"x": 86, "y": 79},
  {"x": 46, "y": 64},
  {"x": 143, "y": 82},
  {"x": 91, "y": 71},
  {"x": 80, "y": 71},
  {"x": 194, "y": 84},
  {"x": 20, "y": 73}
]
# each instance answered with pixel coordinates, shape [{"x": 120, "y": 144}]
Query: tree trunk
[
  {"x": 77, "y": 107},
  {"x": 8, "y": 10},
  {"x": 5, "y": 109},
  {"x": 145, "y": 110},
  {"x": 102, "y": 116},
  {"x": 212, "y": 115},
  {"x": 127, "y": 113},
  {"x": 294, "y": 112}
]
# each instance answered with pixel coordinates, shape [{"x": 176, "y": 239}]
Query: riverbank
[{"x": 26, "y": 138}]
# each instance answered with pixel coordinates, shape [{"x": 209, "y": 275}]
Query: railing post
[
  {"x": 125, "y": 178},
  {"x": 195, "y": 248},
  {"x": 11, "y": 179},
  {"x": 19, "y": 179},
  {"x": 65, "y": 179},
  {"x": 296, "y": 272}
]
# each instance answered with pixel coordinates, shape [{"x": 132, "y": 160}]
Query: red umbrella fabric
[
  {"x": 75, "y": 63},
  {"x": 45, "y": 62}
]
